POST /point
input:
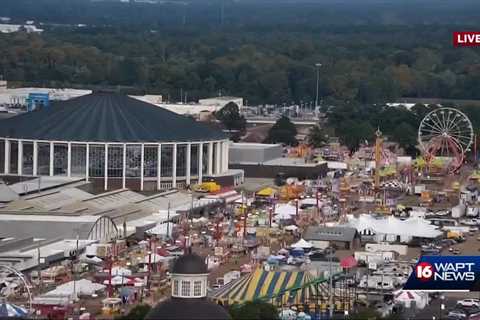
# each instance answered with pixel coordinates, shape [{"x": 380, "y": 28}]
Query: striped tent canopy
[
  {"x": 9, "y": 310},
  {"x": 278, "y": 287}
]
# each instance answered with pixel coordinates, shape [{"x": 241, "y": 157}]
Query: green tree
[
  {"x": 231, "y": 118},
  {"x": 355, "y": 132},
  {"x": 283, "y": 131},
  {"x": 254, "y": 310},
  {"x": 405, "y": 135},
  {"x": 138, "y": 312},
  {"x": 317, "y": 137}
]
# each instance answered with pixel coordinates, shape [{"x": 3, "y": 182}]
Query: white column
[
  {"x": 224, "y": 156},
  {"x": 210, "y": 159},
  {"x": 105, "y": 173},
  {"x": 218, "y": 158},
  {"x": 159, "y": 167},
  {"x": 87, "y": 163},
  {"x": 200, "y": 163},
  {"x": 174, "y": 166},
  {"x": 20, "y": 157},
  {"x": 51, "y": 159},
  {"x": 69, "y": 160},
  {"x": 7, "y": 157},
  {"x": 35, "y": 158},
  {"x": 189, "y": 162},
  {"x": 142, "y": 160},
  {"x": 124, "y": 166}
]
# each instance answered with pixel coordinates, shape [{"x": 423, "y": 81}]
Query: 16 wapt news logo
[{"x": 445, "y": 273}]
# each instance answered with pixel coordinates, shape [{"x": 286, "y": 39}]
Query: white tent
[
  {"x": 406, "y": 229},
  {"x": 119, "y": 281},
  {"x": 406, "y": 297},
  {"x": 82, "y": 287},
  {"x": 302, "y": 244},
  {"x": 200, "y": 220},
  {"x": 94, "y": 260},
  {"x": 291, "y": 227},
  {"x": 285, "y": 209},
  {"x": 119, "y": 271}
]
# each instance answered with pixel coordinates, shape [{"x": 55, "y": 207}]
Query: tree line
[{"x": 364, "y": 65}]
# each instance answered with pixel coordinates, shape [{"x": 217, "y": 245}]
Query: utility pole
[
  {"x": 73, "y": 269},
  {"x": 168, "y": 221},
  {"x": 330, "y": 283},
  {"x": 317, "y": 65},
  {"x": 39, "y": 268}
]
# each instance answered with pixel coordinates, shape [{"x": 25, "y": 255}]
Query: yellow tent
[
  {"x": 456, "y": 185},
  {"x": 266, "y": 192}
]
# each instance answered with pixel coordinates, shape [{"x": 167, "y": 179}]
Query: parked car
[
  {"x": 469, "y": 303},
  {"x": 469, "y": 222},
  {"x": 457, "y": 315}
]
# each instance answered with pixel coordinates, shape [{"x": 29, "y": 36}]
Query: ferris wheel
[{"x": 446, "y": 133}]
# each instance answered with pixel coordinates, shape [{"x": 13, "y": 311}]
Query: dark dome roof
[
  {"x": 106, "y": 117},
  {"x": 190, "y": 264},
  {"x": 176, "y": 308}
]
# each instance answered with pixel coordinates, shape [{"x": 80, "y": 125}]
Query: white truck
[
  {"x": 419, "y": 189},
  {"x": 378, "y": 282},
  {"x": 401, "y": 249},
  {"x": 374, "y": 257},
  {"x": 458, "y": 211},
  {"x": 472, "y": 211}
]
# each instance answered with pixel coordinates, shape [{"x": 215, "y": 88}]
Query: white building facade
[{"x": 149, "y": 165}]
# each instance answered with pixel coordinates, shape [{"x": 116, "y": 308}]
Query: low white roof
[
  {"x": 83, "y": 287},
  {"x": 161, "y": 229},
  {"x": 302, "y": 244},
  {"x": 310, "y": 201}
]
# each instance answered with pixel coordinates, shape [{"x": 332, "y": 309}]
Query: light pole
[
  {"x": 317, "y": 65},
  {"x": 330, "y": 282},
  {"x": 442, "y": 306}
]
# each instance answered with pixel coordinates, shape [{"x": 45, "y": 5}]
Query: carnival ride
[
  {"x": 300, "y": 151},
  {"x": 445, "y": 135},
  {"x": 23, "y": 312}
]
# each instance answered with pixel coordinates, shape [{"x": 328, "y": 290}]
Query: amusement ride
[{"x": 445, "y": 134}]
